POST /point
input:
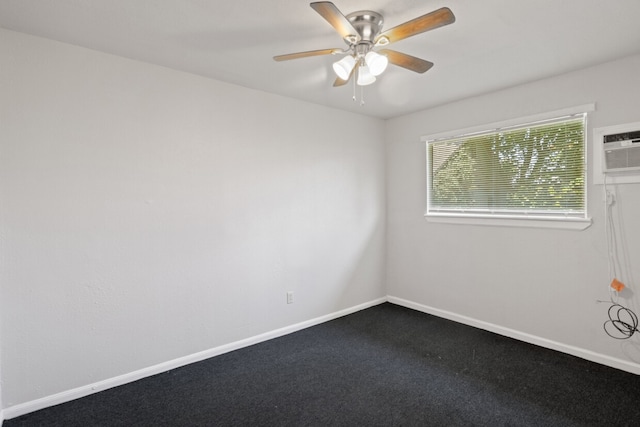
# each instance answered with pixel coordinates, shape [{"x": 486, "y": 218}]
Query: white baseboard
[
  {"x": 613, "y": 362},
  {"x": 76, "y": 393}
]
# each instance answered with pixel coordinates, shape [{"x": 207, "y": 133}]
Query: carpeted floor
[{"x": 384, "y": 366}]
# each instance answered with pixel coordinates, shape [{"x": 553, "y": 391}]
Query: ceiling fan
[{"x": 361, "y": 31}]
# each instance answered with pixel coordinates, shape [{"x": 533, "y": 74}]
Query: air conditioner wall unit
[{"x": 621, "y": 152}]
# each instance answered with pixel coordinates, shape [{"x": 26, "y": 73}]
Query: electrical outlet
[{"x": 290, "y": 297}]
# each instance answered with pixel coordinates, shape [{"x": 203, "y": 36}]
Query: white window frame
[{"x": 558, "y": 222}]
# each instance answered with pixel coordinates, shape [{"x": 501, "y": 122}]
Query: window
[{"x": 531, "y": 171}]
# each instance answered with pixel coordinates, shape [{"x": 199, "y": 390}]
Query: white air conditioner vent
[{"x": 621, "y": 152}]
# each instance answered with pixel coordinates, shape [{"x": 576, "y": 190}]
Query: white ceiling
[{"x": 492, "y": 45}]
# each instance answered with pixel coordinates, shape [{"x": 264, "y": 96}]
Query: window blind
[{"x": 536, "y": 169}]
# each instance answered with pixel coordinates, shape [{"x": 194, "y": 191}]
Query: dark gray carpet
[{"x": 384, "y": 366}]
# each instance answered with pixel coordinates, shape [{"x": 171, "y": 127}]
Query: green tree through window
[{"x": 529, "y": 170}]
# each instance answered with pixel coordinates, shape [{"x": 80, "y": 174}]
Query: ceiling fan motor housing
[{"x": 368, "y": 24}]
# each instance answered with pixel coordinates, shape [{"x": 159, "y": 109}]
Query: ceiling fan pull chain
[
  {"x": 362, "y": 96},
  {"x": 354, "y": 90}
]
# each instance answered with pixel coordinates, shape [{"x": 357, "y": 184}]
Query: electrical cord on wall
[
  {"x": 610, "y": 231},
  {"x": 623, "y": 322}
]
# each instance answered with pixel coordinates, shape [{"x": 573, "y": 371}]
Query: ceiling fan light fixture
[
  {"x": 364, "y": 76},
  {"x": 344, "y": 67},
  {"x": 377, "y": 63}
]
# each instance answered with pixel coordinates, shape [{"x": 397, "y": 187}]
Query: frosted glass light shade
[
  {"x": 344, "y": 66},
  {"x": 364, "y": 76},
  {"x": 377, "y": 63}
]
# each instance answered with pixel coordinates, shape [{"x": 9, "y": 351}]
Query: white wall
[
  {"x": 148, "y": 214},
  {"x": 1, "y": 401},
  {"x": 539, "y": 284}
]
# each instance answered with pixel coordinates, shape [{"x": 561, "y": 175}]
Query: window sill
[{"x": 557, "y": 223}]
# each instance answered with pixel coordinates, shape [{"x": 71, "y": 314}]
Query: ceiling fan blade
[
  {"x": 306, "y": 54},
  {"x": 430, "y": 21},
  {"x": 339, "y": 82},
  {"x": 406, "y": 61},
  {"x": 330, "y": 12}
]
